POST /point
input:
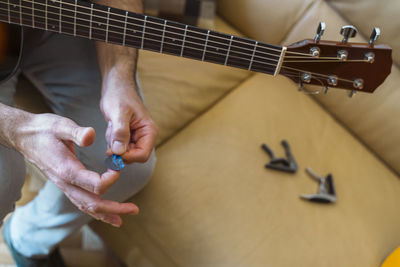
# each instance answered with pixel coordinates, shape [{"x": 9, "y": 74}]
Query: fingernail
[{"x": 118, "y": 148}]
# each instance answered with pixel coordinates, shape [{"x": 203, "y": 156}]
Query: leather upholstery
[
  {"x": 367, "y": 14},
  {"x": 177, "y": 90},
  {"x": 373, "y": 118},
  {"x": 370, "y": 117},
  {"x": 212, "y": 203}
]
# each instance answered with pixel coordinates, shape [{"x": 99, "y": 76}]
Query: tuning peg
[
  {"x": 376, "y": 32},
  {"x": 301, "y": 86},
  {"x": 348, "y": 31},
  {"x": 352, "y": 93},
  {"x": 320, "y": 31}
]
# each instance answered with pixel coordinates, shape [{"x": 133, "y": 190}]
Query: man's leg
[
  {"x": 65, "y": 70},
  {"x": 12, "y": 165}
]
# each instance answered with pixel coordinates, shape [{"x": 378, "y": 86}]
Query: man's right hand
[{"x": 47, "y": 140}]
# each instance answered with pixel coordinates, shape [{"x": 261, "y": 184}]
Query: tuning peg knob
[
  {"x": 320, "y": 31},
  {"x": 376, "y": 32},
  {"x": 301, "y": 86},
  {"x": 352, "y": 93},
  {"x": 348, "y": 31}
]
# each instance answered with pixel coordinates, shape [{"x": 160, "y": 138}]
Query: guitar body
[{"x": 11, "y": 40}]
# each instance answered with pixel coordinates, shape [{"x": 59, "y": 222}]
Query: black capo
[
  {"x": 281, "y": 164},
  {"x": 326, "y": 191}
]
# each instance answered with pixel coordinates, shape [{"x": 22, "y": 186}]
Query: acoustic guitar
[{"x": 351, "y": 66}]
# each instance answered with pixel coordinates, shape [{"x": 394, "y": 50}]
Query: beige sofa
[{"x": 211, "y": 202}]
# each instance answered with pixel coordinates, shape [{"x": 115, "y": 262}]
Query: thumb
[
  {"x": 69, "y": 130},
  {"x": 120, "y": 136}
]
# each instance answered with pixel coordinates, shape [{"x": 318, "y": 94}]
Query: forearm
[
  {"x": 115, "y": 59},
  {"x": 11, "y": 121}
]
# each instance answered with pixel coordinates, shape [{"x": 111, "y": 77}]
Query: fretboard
[{"x": 111, "y": 25}]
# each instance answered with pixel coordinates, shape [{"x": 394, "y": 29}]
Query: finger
[
  {"x": 120, "y": 135},
  {"x": 140, "y": 151},
  {"x": 112, "y": 207},
  {"x": 107, "y": 180},
  {"x": 93, "y": 182},
  {"x": 66, "y": 129},
  {"x": 93, "y": 204},
  {"x": 114, "y": 220}
]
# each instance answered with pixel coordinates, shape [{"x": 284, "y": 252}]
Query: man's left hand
[{"x": 131, "y": 131}]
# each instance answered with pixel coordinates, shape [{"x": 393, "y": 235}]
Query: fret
[
  {"x": 26, "y": 17},
  {"x": 184, "y": 39},
  {"x": 91, "y": 21},
  {"x": 279, "y": 65},
  {"x": 229, "y": 50},
  {"x": 53, "y": 8},
  {"x": 46, "y": 20},
  {"x": 125, "y": 24},
  {"x": 163, "y": 36},
  {"x": 116, "y": 26},
  {"x": 173, "y": 38},
  {"x": 252, "y": 56},
  {"x": 67, "y": 18},
  {"x": 79, "y": 19},
  {"x": 217, "y": 47},
  {"x": 108, "y": 23},
  {"x": 195, "y": 43},
  {"x": 205, "y": 46},
  {"x": 240, "y": 52},
  {"x": 33, "y": 14},
  {"x": 60, "y": 17},
  {"x": 5, "y": 13},
  {"x": 153, "y": 34},
  {"x": 76, "y": 5},
  {"x": 40, "y": 13},
  {"x": 20, "y": 10},
  {"x": 134, "y": 30},
  {"x": 8, "y": 11},
  {"x": 99, "y": 23},
  {"x": 266, "y": 58},
  {"x": 143, "y": 31}
]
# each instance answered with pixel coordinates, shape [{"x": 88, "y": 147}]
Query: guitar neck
[{"x": 111, "y": 25}]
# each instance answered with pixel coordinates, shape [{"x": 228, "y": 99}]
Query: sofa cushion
[
  {"x": 372, "y": 117},
  {"x": 177, "y": 90},
  {"x": 367, "y": 14},
  {"x": 268, "y": 21},
  {"x": 211, "y": 202}
]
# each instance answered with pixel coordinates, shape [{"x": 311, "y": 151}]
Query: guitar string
[
  {"x": 154, "y": 34},
  {"x": 217, "y": 48},
  {"x": 74, "y": 5},
  {"x": 140, "y": 20},
  {"x": 188, "y": 30},
  {"x": 326, "y": 76},
  {"x": 157, "y": 50},
  {"x": 155, "y": 23},
  {"x": 318, "y": 61},
  {"x": 297, "y": 74},
  {"x": 309, "y": 92},
  {"x": 262, "y": 63}
]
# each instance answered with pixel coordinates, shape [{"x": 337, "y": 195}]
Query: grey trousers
[{"x": 66, "y": 72}]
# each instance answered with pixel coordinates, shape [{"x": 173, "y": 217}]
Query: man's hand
[
  {"x": 131, "y": 132},
  {"x": 47, "y": 140}
]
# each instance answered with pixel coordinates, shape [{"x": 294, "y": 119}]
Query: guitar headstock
[{"x": 351, "y": 66}]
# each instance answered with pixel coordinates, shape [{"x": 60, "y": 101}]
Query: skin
[{"x": 47, "y": 140}]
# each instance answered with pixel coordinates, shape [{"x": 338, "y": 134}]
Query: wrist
[{"x": 13, "y": 122}]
